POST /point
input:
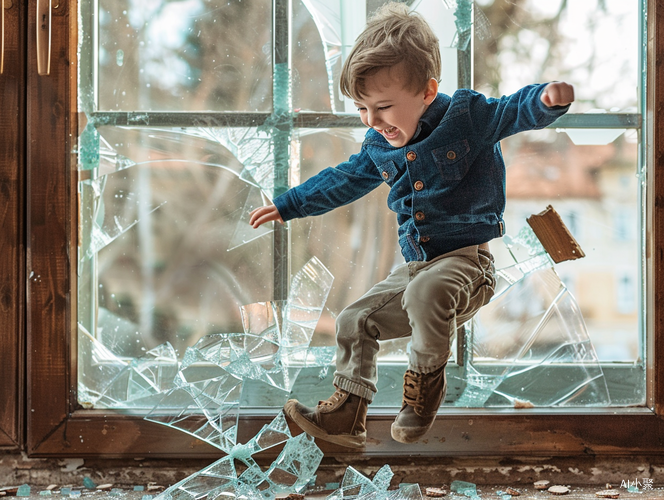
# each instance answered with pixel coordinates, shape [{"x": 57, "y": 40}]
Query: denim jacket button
[
  {"x": 419, "y": 185},
  {"x": 451, "y": 155},
  {"x": 419, "y": 215},
  {"x": 424, "y": 239},
  {"x": 411, "y": 155},
  {"x": 385, "y": 175}
]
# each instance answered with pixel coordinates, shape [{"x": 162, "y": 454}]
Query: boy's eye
[
  {"x": 384, "y": 108},
  {"x": 361, "y": 109}
]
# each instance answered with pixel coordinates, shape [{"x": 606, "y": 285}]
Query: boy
[{"x": 441, "y": 157}]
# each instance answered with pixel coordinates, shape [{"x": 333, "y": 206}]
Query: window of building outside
[{"x": 193, "y": 112}]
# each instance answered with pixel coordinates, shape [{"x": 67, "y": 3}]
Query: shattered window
[{"x": 195, "y": 112}]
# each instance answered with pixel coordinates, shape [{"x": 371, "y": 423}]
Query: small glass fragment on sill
[
  {"x": 464, "y": 488},
  {"x": 89, "y": 483},
  {"x": 357, "y": 486},
  {"x": 23, "y": 491}
]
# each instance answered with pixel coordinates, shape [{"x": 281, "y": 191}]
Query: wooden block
[{"x": 556, "y": 239}]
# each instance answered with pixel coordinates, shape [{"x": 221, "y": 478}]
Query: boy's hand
[
  {"x": 557, "y": 94},
  {"x": 261, "y": 215}
]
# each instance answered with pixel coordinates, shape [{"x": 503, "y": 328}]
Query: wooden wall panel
[{"x": 12, "y": 201}]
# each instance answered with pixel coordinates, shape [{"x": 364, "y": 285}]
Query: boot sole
[
  {"x": 408, "y": 435},
  {"x": 347, "y": 440}
]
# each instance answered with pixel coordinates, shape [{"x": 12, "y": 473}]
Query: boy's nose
[{"x": 372, "y": 119}]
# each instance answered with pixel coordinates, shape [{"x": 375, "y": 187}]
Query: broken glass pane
[
  {"x": 605, "y": 224},
  {"x": 167, "y": 277},
  {"x": 531, "y": 332}
]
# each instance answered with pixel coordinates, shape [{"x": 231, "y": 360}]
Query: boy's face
[{"x": 392, "y": 109}]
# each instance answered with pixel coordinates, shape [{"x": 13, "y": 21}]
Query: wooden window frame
[{"x": 57, "y": 426}]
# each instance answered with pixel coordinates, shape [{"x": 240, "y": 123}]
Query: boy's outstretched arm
[
  {"x": 557, "y": 94},
  {"x": 261, "y": 215}
]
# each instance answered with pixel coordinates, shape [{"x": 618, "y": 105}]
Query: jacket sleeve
[
  {"x": 330, "y": 188},
  {"x": 509, "y": 115}
]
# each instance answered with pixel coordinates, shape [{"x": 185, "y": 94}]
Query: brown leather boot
[
  {"x": 422, "y": 394},
  {"x": 341, "y": 419}
]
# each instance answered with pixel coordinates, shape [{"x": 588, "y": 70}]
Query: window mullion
[{"x": 282, "y": 108}]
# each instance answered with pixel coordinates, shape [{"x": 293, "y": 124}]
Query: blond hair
[{"x": 392, "y": 36}]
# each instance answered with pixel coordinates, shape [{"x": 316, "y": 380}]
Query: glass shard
[
  {"x": 463, "y": 488},
  {"x": 406, "y": 492},
  {"x": 252, "y": 147},
  {"x": 204, "y": 407},
  {"x": 291, "y": 471},
  {"x": 356, "y": 485},
  {"x": 144, "y": 381},
  {"x": 244, "y": 232},
  {"x": 89, "y": 483},
  {"x": 309, "y": 290},
  {"x": 97, "y": 155},
  {"x": 116, "y": 209},
  {"x": 97, "y": 367},
  {"x": 23, "y": 491}
]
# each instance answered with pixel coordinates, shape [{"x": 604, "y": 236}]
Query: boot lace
[
  {"x": 334, "y": 399},
  {"x": 414, "y": 390}
]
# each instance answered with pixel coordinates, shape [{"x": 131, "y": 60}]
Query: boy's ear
[{"x": 431, "y": 91}]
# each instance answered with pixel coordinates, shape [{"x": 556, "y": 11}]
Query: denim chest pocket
[
  {"x": 452, "y": 160},
  {"x": 388, "y": 172}
]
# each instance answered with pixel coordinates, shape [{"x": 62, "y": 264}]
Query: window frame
[{"x": 57, "y": 426}]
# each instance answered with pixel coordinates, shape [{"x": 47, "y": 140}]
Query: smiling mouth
[{"x": 390, "y": 132}]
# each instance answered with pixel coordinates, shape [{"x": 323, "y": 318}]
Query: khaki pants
[{"x": 424, "y": 299}]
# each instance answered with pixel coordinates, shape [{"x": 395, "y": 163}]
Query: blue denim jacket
[{"x": 447, "y": 186}]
